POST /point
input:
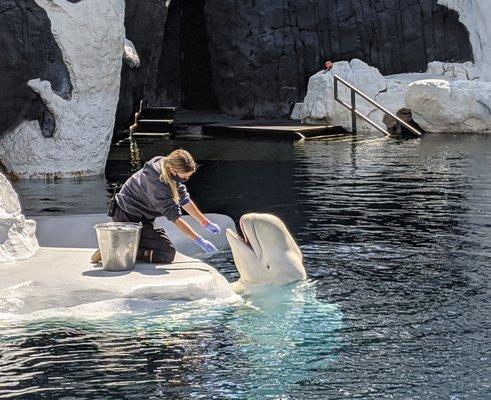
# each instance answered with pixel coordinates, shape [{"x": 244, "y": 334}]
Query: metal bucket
[{"x": 118, "y": 244}]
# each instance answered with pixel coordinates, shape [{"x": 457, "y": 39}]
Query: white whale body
[{"x": 267, "y": 255}]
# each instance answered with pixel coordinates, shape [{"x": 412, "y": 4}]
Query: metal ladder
[{"x": 354, "y": 112}]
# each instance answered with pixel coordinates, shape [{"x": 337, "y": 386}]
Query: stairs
[{"x": 153, "y": 122}]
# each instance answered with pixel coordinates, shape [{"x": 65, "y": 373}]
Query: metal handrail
[{"x": 355, "y": 112}]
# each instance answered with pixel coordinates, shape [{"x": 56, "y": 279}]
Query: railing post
[
  {"x": 353, "y": 113},
  {"x": 335, "y": 87}
]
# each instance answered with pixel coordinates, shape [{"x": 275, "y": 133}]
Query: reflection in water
[
  {"x": 377, "y": 192},
  {"x": 290, "y": 338},
  {"x": 65, "y": 196},
  {"x": 395, "y": 234},
  {"x": 135, "y": 155}
]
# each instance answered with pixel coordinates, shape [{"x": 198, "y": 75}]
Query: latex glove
[
  {"x": 206, "y": 245},
  {"x": 211, "y": 227}
]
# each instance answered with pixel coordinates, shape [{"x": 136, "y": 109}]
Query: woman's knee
[
  {"x": 165, "y": 257},
  {"x": 156, "y": 255}
]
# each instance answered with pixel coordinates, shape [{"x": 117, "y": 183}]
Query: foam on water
[{"x": 279, "y": 338}]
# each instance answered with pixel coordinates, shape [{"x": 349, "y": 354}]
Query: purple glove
[
  {"x": 211, "y": 227},
  {"x": 205, "y": 245}
]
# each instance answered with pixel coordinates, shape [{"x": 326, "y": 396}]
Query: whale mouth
[
  {"x": 237, "y": 236},
  {"x": 244, "y": 237},
  {"x": 250, "y": 235}
]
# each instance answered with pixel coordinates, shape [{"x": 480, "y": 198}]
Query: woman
[{"x": 156, "y": 190}]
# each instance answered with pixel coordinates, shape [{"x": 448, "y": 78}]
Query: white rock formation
[
  {"x": 297, "y": 112},
  {"x": 450, "y": 106},
  {"x": 17, "y": 235},
  {"x": 91, "y": 35},
  {"x": 476, "y": 16},
  {"x": 456, "y": 71},
  {"x": 461, "y": 105},
  {"x": 130, "y": 55},
  {"x": 319, "y": 104}
]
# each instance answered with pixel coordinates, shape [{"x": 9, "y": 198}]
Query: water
[{"x": 397, "y": 243}]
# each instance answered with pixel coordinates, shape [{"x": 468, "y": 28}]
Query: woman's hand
[
  {"x": 211, "y": 227},
  {"x": 205, "y": 245},
  {"x": 193, "y": 210}
]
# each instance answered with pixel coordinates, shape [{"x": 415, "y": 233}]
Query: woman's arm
[
  {"x": 194, "y": 211},
  {"x": 186, "y": 229},
  {"x": 205, "y": 245}
]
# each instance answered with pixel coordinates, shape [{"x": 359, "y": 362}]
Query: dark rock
[
  {"x": 145, "y": 23},
  {"x": 263, "y": 51},
  {"x": 175, "y": 63},
  {"x": 28, "y": 50},
  {"x": 169, "y": 75},
  {"x": 406, "y": 115}
]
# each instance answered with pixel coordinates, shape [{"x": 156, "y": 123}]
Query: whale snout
[{"x": 266, "y": 254}]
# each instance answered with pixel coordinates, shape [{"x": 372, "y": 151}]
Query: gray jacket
[{"x": 144, "y": 195}]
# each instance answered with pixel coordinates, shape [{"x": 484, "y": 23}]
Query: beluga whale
[{"x": 266, "y": 255}]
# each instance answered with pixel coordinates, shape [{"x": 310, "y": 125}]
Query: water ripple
[{"x": 396, "y": 241}]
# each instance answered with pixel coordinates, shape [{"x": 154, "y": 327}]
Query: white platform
[
  {"x": 78, "y": 231},
  {"x": 62, "y": 277}
]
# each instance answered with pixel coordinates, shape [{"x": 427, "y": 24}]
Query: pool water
[{"x": 396, "y": 238}]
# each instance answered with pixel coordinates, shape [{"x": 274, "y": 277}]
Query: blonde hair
[{"x": 181, "y": 162}]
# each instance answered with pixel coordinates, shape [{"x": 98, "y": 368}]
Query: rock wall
[
  {"x": 170, "y": 37},
  {"x": 144, "y": 23},
  {"x": 263, "y": 51},
  {"x": 28, "y": 51},
  {"x": 17, "y": 235},
  {"x": 60, "y": 68},
  {"x": 90, "y": 35}
]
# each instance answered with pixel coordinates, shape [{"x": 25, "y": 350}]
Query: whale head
[{"x": 267, "y": 254}]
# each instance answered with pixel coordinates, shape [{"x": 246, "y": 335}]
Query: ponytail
[
  {"x": 181, "y": 162},
  {"x": 166, "y": 177}
]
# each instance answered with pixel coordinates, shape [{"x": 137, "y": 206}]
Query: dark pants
[{"x": 154, "y": 244}]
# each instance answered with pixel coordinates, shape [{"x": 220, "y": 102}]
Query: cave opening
[{"x": 197, "y": 92}]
